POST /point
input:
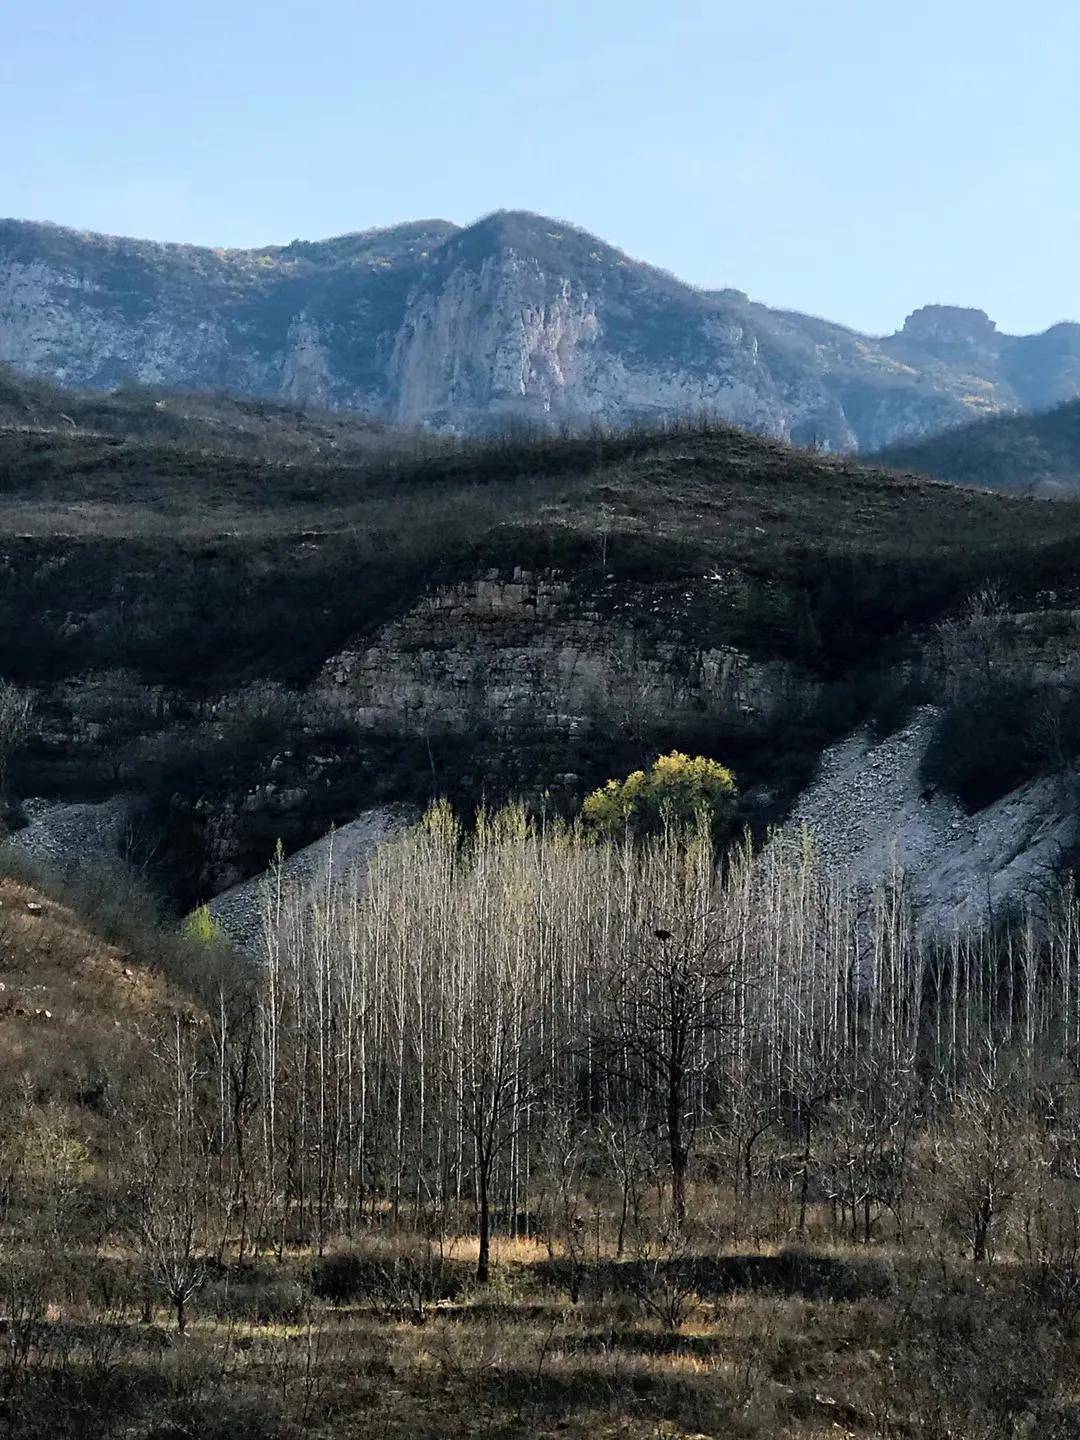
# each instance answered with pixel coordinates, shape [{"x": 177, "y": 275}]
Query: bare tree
[
  {"x": 170, "y": 1175},
  {"x": 982, "y": 1160},
  {"x": 669, "y": 1001}
]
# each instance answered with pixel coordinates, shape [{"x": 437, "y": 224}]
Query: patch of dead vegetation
[{"x": 71, "y": 1005}]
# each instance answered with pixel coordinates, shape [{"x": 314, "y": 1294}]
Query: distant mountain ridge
[{"x": 513, "y": 317}]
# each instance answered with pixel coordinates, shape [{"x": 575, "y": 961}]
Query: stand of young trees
[{"x": 515, "y": 1028}]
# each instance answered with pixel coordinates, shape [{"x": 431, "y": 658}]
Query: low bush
[
  {"x": 117, "y": 902},
  {"x": 406, "y": 1282},
  {"x": 792, "y": 1272},
  {"x": 256, "y": 1294}
]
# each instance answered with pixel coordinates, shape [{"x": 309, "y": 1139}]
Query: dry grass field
[{"x": 825, "y": 1341}]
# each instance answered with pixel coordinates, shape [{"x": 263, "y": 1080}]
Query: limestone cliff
[
  {"x": 533, "y": 652},
  {"x": 513, "y": 317}
]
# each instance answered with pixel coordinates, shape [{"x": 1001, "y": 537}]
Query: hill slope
[
  {"x": 204, "y": 422},
  {"x": 254, "y": 651},
  {"x": 1020, "y": 454},
  {"x": 514, "y": 316}
]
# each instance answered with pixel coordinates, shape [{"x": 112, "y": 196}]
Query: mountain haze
[{"x": 515, "y": 317}]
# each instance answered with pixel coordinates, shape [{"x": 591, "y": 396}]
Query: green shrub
[{"x": 201, "y": 926}]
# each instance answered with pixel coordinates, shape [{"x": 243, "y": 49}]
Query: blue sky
[{"x": 852, "y": 158}]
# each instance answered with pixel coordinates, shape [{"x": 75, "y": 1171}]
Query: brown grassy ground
[{"x": 944, "y": 1352}]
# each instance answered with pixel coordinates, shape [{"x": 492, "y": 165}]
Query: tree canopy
[{"x": 676, "y": 788}]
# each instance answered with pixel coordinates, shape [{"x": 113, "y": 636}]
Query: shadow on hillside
[
  {"x": 648, "y": 1342},
  {"x": 792, "y": 1272},
  {"x": 479, "y": 1312},
  {"x": 677, "y": 1399}
]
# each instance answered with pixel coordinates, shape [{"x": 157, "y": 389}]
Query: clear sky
[{"x": 851, "y": 158}]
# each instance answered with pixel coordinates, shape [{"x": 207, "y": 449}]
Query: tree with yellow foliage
[{"x": 677, "y": 788}]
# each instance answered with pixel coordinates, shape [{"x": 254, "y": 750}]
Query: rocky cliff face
[
  {"x": 529, "y": 652},
  {"x": 513, "y": 317}
]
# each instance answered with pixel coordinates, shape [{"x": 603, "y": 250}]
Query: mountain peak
[
  {"x": 539, "y": 234},
  {"x": 950, "y": 324}
]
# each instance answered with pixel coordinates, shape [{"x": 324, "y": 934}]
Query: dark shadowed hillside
[
  {"x": 257, "y": 650},
  {"x": 1021, "y": 454}
]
